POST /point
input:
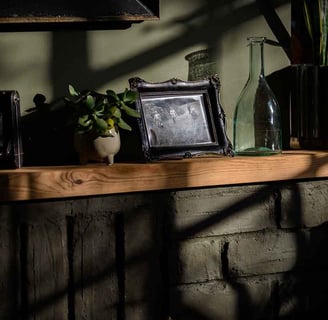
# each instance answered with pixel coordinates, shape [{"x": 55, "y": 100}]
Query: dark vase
[{"x": 309, "y": 106}]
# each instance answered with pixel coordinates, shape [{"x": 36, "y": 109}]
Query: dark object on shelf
[
  {"x": 181, "y": 119},
  {"x": 309, "y": 75},
  {"x": 11, "y": 153},
  {"x": 48, "y": 15},
  {"x": 48, "y": 133},
  {"x": 309, "y": 112}
]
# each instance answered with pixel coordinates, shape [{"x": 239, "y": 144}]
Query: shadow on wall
[
  {"x": 294, "y": 294},
  {"x": 119, "y": 257},
  {"x": 205, "y": 25},
  {"x": 100, "y": 225},
  {"x": 70, "y": 63}
]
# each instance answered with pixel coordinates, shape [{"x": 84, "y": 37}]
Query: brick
[
  {"x": 249, "y": 254},
  {"x": 196, "y": 260},
  {"x": 290, "y": 296},
  {"x": 287, "y": 295},
  {"x": 111, "y": 203},
  {"x": 223, "y": 210},
  {"x": 303, "y": 295},
  {"x": 317, "y": 248},
  {"x": 225, "y": 300},
  {"x": 304, "y": 204},
  {"x": 265, "y": 252}
]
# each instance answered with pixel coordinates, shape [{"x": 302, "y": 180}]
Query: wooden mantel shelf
[{"x": 30, "y": 183}]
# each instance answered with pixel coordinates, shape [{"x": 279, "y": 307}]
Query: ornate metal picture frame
[{"x": 181, "y": 119}]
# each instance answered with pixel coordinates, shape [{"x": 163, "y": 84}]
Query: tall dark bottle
[{"x": 257, "y": 120}]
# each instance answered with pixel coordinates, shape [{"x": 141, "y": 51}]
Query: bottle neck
[{"x": 256, "y": 64}]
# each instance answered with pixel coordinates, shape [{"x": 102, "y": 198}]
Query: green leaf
[
  {"x": 117, "y": 113},
  {"x": 84, "y": 121},
  {"x": 72, "y": 91},
  {"x": 100, "y": 110},
  {"x": 130, "y": 96},
  {"x": 99, "y": 114},
  {"x": 112, "y": 94},
  {"x": 123, "y": 125},
  {"x": 100, "y": 123},
  {"x": 90, "y": 102},
  {"x": 111, "y": 110},
  {"x": 129, "y": 111}
]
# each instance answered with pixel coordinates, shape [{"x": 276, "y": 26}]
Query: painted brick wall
[
  {"x": 254, "y": 252},
  {"x": 230, "y": 253}
]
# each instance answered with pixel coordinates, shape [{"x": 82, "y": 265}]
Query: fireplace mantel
[{"x": 33, "y": 183}]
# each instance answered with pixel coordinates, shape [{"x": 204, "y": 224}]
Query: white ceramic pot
[{"x": 98, "y": 149}]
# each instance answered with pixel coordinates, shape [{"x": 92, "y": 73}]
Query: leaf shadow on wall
[
  {"x": 206, "y": 25},
  {"x": 70, "y": 64},
  {"x": 73, "y": 71}
]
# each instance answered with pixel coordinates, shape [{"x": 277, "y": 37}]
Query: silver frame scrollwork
[{"x": 161, "y": 95}]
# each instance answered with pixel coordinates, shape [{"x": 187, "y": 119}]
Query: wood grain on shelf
[{"x": 29, "y": 183}]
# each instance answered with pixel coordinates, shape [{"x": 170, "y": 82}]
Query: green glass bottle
[{"x": 257, "y": 120}]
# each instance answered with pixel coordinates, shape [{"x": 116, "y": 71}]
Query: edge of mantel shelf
[{"x": 36, "y": 183}]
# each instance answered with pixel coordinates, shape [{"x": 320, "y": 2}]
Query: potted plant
[{"x": 97, "y": 119}]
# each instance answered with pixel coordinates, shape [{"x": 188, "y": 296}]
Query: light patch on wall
[
  {"x": 234, "y": 58},
  {"x": 24, "y": 64},
  {"x": 114, "y": 46}
]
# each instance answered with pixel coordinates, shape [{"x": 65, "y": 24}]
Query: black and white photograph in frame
[
  {"x": 176, "y": 121},
  {"x": 181, "y": 119}
]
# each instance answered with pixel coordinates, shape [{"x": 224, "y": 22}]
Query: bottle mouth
[
  {"x": 257, "y": 39},
  {"x": 264, "y": 40}
]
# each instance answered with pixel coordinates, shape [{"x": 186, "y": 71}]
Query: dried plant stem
[{"x": 316, "y": 21}]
